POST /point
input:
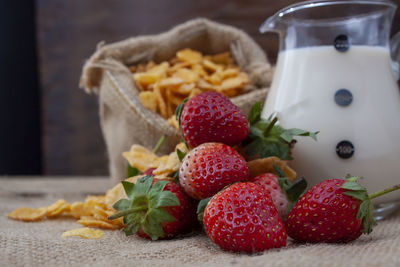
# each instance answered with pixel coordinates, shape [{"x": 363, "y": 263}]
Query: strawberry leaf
[
  {"x": 201, "y": 207},
  {"x": 128, "y": 188},
  {"x": 162, "y": 215},
  {"x": 255, "y": 113},
  {"x": 166, "y": 199},
  {"x": 131, "y": 229},
  {"x": 354, "y": 186},
  {"x": 296, "y": 189},
  {"x": 152, "y": 227},
  {"x": 288, "y": 135},
  {"x": 361, "y": 195},
  {"x": 181, "y": 154},
  {"x": 351, "y": 178},
  {"x": 276, "y": 149},
  {"x": 157, "y": 188},
  {"x": 254, "y": 147},
  {"x": 365, "y": 210},
  {"x": 267, "y": 139},
  {"x": 179, "y": 109},
  {"x": 143, "y": 185},
  {"x": 175, "y": 175},
  {"x": 131, "y": 171},
  {"x": 122, "y": 204}
]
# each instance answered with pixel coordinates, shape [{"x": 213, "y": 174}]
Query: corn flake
[
  {"x": 189, "y": 55},
  {"x": 78, "y": 210},
  {"x": 162, "y": 106},
  {"x": 27, "y": 214},
  {"x": 65, "y": 208},
  {"x": 264, "y": 165},
  {"x": 173, "y": 122},
  {"x": 85, "y": 232},
  {"x": 141, "y": 158},
  {"x": 93, "y": 222},
  {"x": 149, "y": 100},
  {"x": 234, "y": 83},
  {"x": 209, "y": 65},
  {"x": 188, "y": 76},
  {"x": 172, "y": 162}
]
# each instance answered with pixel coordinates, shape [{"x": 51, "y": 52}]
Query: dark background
[{"x": 47, "y": 124}]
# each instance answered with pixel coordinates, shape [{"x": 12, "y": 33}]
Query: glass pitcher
[{"x": 337, "y": 73}]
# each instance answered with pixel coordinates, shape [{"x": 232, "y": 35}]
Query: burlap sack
[{"x": 124, "y": 121}]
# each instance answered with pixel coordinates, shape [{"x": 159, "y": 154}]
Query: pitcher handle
[{"x": 395, "y": 53}]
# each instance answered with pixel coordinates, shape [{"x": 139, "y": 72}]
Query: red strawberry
[
  {"x": 149, "y": 171},
  {"x": 210, "y": 167},
  {"x": 283, "y": 192},
  {"x": 334, "y": 210},
  {"x": 243, "y": 218},
  {"x": 156, "y": 209},
  {"x": 212, "y": 117},
  {"x": 270, "y": 183}
]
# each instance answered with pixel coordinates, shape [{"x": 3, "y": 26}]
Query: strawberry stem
[
  {"x": 270, "y": 125},
  {"x": 126, "y": 212},
  {"x": 158, "y": 145},
  {"x": 384, "y": 191}
]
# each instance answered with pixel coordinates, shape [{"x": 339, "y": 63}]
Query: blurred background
[{"x": 48, "y": 126}]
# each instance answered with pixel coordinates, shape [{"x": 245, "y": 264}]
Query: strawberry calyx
[
  {"x": 131, "y": 171},
  {"x": 293, "y": 190},
  {"x": 178, "y": 110},
  {"x": 180, "y": 155},
  {"x": 145, "y": 207},
  {"x": 201, "y": 207},
  {"x": 365, "y": 211},
  {"x": 267, "y": 139}
]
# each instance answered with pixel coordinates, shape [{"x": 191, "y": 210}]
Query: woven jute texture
[
  {"x": 124, "y": 120},
  {"x": 40, "y": 243}
]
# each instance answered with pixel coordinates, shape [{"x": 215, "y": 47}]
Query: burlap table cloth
[{"x": 40, "y": 243}]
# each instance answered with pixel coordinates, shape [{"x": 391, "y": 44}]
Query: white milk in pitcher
[{"x": 353, "y": 100}]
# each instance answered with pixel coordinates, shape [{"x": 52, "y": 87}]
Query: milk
[{"x": 302, "y": 95}]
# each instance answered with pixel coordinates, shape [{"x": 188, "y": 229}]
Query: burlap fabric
[
  {"x": 124, "y": 121},
  {"x": 40, "y": 243}
]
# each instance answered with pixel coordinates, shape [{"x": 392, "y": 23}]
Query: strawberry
[
  {"x": 270, "y": 183},
  {"x": 243, "y": 218},
  {"x": 156, "y": 209},
  {"x": 210, "y": 167},
  {"x": 149, "y": 171},
  {"x": 211, "y": 117},
  {"x": 334, "y": 210},
  {"x": 283, "y": 193}
]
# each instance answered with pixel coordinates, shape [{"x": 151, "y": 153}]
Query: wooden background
[{"x": 68, "y": 32}]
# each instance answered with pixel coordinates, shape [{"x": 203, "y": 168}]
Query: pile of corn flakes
[{"x": 164, "y": 86}]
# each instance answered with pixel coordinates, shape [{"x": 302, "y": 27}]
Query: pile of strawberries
[{"x": 238, "y": 212}]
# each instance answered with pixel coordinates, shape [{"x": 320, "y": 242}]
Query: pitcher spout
[
  {"x": 332, "y": 22},
  {"x": 272, "y": 24}
]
